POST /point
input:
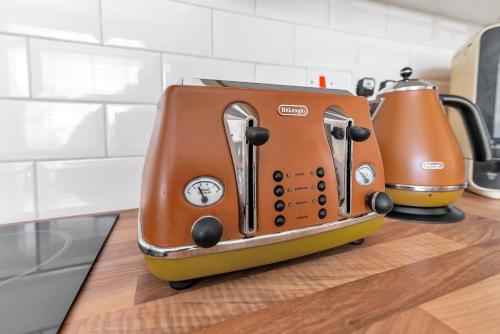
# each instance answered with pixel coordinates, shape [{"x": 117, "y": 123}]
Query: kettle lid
[{"x": 407, "y": 84}]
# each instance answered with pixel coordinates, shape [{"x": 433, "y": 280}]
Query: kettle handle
[{"x": 474, "y": 123}]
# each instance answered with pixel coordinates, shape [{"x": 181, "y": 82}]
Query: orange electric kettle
[{"x": 423, "y": 162}]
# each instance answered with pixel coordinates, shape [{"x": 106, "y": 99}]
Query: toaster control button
[
  {"x": 338, "y": 133},
  {"x": 279, "y": 191},
  {"x": 279, "y": 220},
  {"x": 322, "y": 199},
  {"x": 206, "y": 231},
  {"x": 278, "y": 176},
  {"x": 321, "y": 185},
  {"x": 322, "y": 213},
  {"x": 279, "y": 205},
  {"x": 320, "y": 172}
]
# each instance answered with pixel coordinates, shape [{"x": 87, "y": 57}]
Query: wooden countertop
[{"x": 406, "y": 278}]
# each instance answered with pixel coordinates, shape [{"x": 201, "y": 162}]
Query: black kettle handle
[{"x": 474, "y": 123}]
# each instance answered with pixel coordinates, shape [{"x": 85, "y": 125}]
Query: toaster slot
[
  {"x": 238, "y": 117},
  {"x": 336, "y": 126}
]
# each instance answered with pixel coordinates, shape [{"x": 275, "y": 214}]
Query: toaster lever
[
  {"x": 256, "y": 135},
  {"x": 358, "y": 133}
]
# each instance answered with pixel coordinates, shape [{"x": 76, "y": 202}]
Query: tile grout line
[
  {"x": 30, "y": 68},
  {"x": 111, "y": 157},
  {"x": 36, "y": 189},
  {"x": 73, "y": 101},
  {"x": 294, "y": 45},
  {"x": 105, "y": 129},
  {"x": 101, "y": 22},
  {"x": 212, "y": 35},
  {"x": 327, "y": 28},
  {"x": 151, "y": 51},
  {"x": 162, "y": 76}
]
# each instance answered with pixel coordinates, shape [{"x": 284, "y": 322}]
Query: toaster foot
[
  {"x": 181, "y": 285},
  {"x": 358, "y": 242}
]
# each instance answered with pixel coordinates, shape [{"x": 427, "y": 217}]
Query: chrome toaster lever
[{"x": 243, "y": 135}]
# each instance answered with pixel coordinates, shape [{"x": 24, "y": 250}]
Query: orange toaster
[{"x": 239, "y": 175}]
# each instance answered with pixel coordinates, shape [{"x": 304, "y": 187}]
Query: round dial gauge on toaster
[
  {"x": 204, "y": 191},
  {"x": 365, "y": 175}
]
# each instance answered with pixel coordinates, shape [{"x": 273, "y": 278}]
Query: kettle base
[{"x": 430, "y": 215}]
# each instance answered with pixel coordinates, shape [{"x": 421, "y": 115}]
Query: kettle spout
[{"x": 375, "y": 105}]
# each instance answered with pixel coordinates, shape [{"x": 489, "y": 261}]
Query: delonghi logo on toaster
[
  {"x": 432, "y": 165},
  {"x": 292, "y": 110}
]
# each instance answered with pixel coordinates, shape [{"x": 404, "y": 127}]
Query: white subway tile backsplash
[
  {"x": 13, "y": 67},
  {"x": 282, "y": 75},
  {"x": 359, "y": 16},
  {"x": 17, "y": 192},
  {"x": 431, "y": 63},
  {"x": 310, "y": 12},
  {"x": 382, "y": 59},
  {"x": 94, "y": 73},
  {"x": 410, "y": 26},
  {"x": 242, "y": 6},
  {"x": 63, "y": 19},
  {"x": 177, "y": 67},
  {"x": 319, "y": 47},
  {"x": 129, "y": 128},
  {"x": 86, "y": 186},
  {"x": 157, "y": 24},
  {"x": 79, "y": 80},
  {"x": 450, "y": 33},
  {"x": 252, "y": 39},
  {"x": 50, "y": 130}
]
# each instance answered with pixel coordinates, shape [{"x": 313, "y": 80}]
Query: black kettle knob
[
  {"x": 257, "y": 136},
  {"x": 406, "y": 73},
  {"x": 380, "y": 202},
  {"x": 357, "y": 133},
  {"x": 206, "y": 232}
]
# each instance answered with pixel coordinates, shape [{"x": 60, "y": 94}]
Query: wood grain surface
[{"x": 406, "y": 278}]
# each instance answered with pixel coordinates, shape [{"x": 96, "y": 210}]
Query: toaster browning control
[{"x": 294, "y": 193}]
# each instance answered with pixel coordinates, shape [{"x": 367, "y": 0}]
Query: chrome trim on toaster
[
  {"x": 341, "y": 150},
  {"x": 254, "y": 85},
  {"x": 237, "y": 118},
  {"x": 231, "y": 245},
  {"x": 426, "y": 188}
]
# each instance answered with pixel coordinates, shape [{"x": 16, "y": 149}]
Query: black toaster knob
[
  {"x": 357, "y": 133},
  {"x": 257, "y": 136},
  {"x": 207, "y": 231},
  {"x": 380, "y": 202}
]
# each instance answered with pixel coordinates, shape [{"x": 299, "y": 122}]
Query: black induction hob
[{"x": 42, "y": 267}]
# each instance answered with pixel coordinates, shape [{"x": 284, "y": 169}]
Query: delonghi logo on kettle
[
  {"x": 432, "y": 165},
  {"x": 292, "y": 110}
]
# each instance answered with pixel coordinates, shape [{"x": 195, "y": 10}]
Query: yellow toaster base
[
  {"x": 213, "y": 264},
  {"x": 423, "y": 198}
]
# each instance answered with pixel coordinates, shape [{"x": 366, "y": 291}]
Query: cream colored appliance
[{"x": 476, "y": 76}]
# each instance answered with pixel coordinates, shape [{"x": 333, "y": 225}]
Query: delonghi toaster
[{"x": 239, "y": 175}]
